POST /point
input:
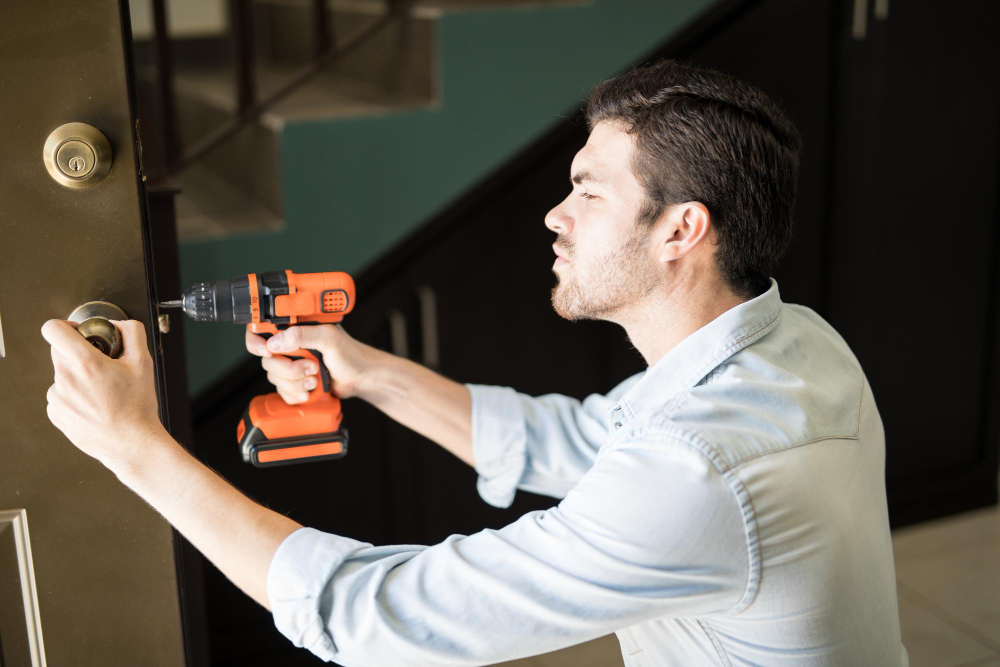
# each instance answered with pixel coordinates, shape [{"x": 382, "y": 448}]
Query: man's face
[{"x": 606, "y": 261}]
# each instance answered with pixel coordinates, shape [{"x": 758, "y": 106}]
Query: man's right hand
[
  {"x": 418, "y": 398},
  {"x": 346, "y": 358}
]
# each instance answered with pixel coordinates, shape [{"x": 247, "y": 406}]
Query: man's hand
[
  {"x": 349, "y": 361},
  {"x": 106, "y": 407}
]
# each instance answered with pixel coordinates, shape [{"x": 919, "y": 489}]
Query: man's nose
[{"x": 558, "y": 220}]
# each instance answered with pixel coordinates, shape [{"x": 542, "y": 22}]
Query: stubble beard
[{"x": 621, "y": 278}]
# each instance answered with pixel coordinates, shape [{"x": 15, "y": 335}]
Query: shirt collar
[{"x": 695, "y": 356}]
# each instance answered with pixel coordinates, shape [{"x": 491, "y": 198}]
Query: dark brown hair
[{"x": 705, "y": 136}]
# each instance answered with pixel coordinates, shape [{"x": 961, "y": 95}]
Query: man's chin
[
  {"x": 559, "y": 303},
  {"x": 564, "y": 305}
]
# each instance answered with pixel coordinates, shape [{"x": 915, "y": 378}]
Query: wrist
[
  {"x": 379, "y": 369},
  {"x": 146, "y": 451}
]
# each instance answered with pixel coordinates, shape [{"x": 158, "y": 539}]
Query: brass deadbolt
[
  {"x": 93, "y": 323},
  {"x": 77, "y": 155}
]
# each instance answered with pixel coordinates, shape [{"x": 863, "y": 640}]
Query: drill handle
[
  {"x": 326, "y": 383},
  {"x": 325, "y": 386}
]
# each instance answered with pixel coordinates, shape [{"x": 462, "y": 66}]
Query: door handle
[
  {"x": 93, "y": 323},
  {"x": 429, "y": 327},
  {"x": 859, "y": 20},
  {"x": 397, "y": 333}
]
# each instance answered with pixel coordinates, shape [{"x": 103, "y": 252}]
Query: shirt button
[{"x": 618, "y": 425}]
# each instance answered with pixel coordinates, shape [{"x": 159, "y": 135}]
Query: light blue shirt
[{"x": 724, "y": 507}]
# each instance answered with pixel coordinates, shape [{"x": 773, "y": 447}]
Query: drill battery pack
[
  {"x": 275, "y": 433},
  {"x": 300, "y": 433}
]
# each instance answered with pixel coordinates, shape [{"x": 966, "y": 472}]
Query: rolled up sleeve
[
  {"x": 499, "y": 441},
  {"x": 622, "y": 547},
  {"x": 542, "y": 444},
  {"x": 299, "y": 572}
]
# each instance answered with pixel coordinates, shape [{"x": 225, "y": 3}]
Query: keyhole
[
  {"x": 77, "y": 163},
  {"x": 100, "y": 345}
]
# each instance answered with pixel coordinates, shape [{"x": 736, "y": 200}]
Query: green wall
[{"x": 354, "y": 188}]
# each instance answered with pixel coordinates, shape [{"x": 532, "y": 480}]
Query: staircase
[
  {"x": 236, "y": 189},
  {"x": 353, "y": 162}
]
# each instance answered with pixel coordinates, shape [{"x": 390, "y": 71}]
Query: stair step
[
  {"x": 245, "y": 171},
  {"x": 401, "y": 58},
  {"x": 237, "y": 188},
  {"x": 328, "y": 95},
  {"x": 211, "y": 207}
]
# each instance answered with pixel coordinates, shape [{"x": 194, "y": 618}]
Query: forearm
[
  {"x": 239, "y": 536},
  {"x": 424, "y": 401}
]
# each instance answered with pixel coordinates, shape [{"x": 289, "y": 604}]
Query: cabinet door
[
  {"x": 490, "y": 282},
  {"x": 95, "y": 572},
  {"x": 914, "y": 243}
]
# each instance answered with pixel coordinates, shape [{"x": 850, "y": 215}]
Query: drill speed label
[{"x": 254, "y": 299}]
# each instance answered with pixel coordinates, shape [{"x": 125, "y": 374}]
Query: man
[{"x": 726, "y": 506}]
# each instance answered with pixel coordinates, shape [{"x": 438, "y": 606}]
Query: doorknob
[
  {"x": 77, "y": 155},
  {"x": 92, "y": 320}
]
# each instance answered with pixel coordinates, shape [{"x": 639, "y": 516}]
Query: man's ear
[{"x": 685, "y": 226}]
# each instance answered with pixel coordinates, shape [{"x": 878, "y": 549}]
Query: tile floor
[{"x": 948, "y": 580}]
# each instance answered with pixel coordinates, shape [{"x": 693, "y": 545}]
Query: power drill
[{"x": 272, "y": 432}]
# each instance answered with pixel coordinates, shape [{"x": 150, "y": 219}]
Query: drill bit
[{"x": 172, "y": 304}]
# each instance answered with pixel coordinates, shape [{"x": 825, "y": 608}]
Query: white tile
[
  {"x": 603, "y": 652},
  {"x": 960, "y": 530},
  {"x": 932, "y": 642},
  {"x": 988, "y": 662},
  {"x": 962, "y": 580}
]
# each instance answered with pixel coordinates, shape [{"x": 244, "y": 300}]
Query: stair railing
[{"x": 248, "y": 107}]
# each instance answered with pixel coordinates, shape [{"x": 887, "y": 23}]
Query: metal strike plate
[{"x": 77, "y": 155}]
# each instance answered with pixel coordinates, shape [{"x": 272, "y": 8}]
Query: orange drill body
[{"x": 271, "y": 431}]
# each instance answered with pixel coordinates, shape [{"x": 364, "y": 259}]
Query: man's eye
[{"x": 586, "y": 195}]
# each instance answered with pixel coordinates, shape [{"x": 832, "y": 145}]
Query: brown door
[{"x": 87, "y": 573}]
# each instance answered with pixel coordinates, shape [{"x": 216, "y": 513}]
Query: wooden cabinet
[{"x": 913, "y": 281}]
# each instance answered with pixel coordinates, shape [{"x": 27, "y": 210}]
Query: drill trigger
[{"x": 324, "y": 373}]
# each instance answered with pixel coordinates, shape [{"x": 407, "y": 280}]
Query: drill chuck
[
  {"x": 233, "y": 300},
  {"x": 209, "y": 302}
]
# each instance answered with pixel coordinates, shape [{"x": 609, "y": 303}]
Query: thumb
[
  {"x": 298, "y": 337},
  {"x": 133, "y": 335}
]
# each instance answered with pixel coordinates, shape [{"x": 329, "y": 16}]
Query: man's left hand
[{"x": 106, "y": 407}]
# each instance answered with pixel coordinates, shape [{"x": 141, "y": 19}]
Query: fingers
[
  {"x": 293, "y": 378},
  {"x": 63, "y": 336},
  {"x": 133, "y": 335},
  {"x": 256, "y": 344},
  {"x": 60, "y": 364},
  {"x": 315, "y": 337},
  {"x": 292, "y": 391},
  {"x": 50, "y": 395},
  {"x": 289, "y": 369}
]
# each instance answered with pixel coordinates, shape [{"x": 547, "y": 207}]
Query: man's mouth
[{"x": 560, "y": 256}]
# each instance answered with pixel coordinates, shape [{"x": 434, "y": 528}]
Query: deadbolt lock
[
  {"x": 77, "y": 155},
  {"x": 93, "y": 323}
]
